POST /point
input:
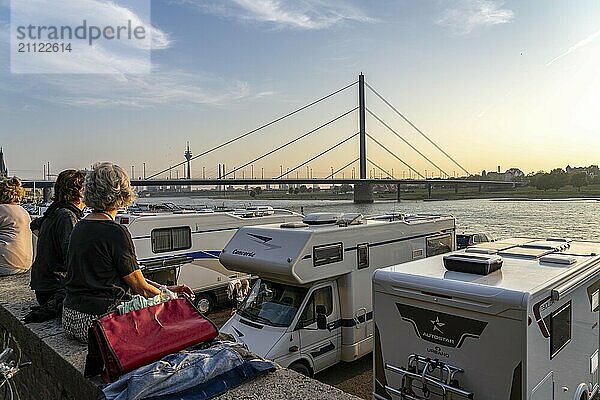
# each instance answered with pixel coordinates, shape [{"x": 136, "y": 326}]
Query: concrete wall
[
  {"x": 58, "y": 362},
  {"x": 57, "y": 370}
]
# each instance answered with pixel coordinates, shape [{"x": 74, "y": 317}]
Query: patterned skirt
[{"x": 76, "y": 324}]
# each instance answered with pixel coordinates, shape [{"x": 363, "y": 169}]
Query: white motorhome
[
  {"x": 191, "y": 242},
  {"x": 311, "y": 307},
  {"x": 528, "y": 330}
]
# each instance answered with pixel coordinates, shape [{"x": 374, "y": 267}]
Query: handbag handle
[{"x": 157, "y": 321}]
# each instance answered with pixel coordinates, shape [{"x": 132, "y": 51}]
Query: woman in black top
[
  {"x": 53, "y": 234},
  {"x": 102, "y": 268}
]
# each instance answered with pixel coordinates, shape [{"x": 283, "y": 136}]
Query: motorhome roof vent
[
  {"x": 388, "y": 217},
  {"x": 480, "y": 250},
  {"x": 351, "y": 219},
  {"x": 184, "y": 212},
  {"x": 557, "y": 239},
  {"x": 547, "y": 245},
  {"x": 473, "y": 264},
  {"x": 321, "y": 218},
  {"x": 558, "y": 259},
  {"x": 261, "y": 210},
  {"x": 526, "y": 252},
  {"x": 498, "y": 246},
  {"x": 293, "y": 225}
]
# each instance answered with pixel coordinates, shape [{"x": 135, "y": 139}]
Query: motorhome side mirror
[
  {"x": 321, "y": 317},
  {"x": 321, "y": 321}
]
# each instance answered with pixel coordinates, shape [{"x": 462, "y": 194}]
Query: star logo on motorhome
[
  {"x": 437, "y": 325},
  {"x": 264, "y": 240},
  {"x": 428, "y": 325}
]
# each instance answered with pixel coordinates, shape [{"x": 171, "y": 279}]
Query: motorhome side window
[
  {"x": 439, "y": 245},
  {"x": 320, "y": 299},
  {"x": 171, "y": 239},
  {"x": 560, "y": 329},
  {"x": 362, "y": 254},
  {"x": 328, "y": 254}
]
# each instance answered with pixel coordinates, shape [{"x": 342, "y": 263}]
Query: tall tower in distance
[
  {"x": 3, "y": 169},
  {"x": 188, "y": 157}
]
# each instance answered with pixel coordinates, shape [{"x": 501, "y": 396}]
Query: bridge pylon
[{"x": 363, "y": 192}]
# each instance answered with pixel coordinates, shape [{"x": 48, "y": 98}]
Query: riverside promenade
[{"x": 58, "y": 362}]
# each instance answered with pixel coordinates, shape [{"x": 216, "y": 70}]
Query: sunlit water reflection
[{"x": 565, "y": 218}]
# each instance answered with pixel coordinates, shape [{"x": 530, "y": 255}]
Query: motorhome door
[{"x": 322, "y": 346}]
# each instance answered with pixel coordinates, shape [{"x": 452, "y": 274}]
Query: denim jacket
[{"x": 196, "y": 374}]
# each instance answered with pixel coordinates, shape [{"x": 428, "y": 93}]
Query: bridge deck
[{"x": 318, "y": 181}]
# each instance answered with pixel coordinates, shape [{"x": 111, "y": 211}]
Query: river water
[{"x": 571, "y": 218}]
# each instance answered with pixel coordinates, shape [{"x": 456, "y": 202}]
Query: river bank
[{"x": 591, "y": 192}]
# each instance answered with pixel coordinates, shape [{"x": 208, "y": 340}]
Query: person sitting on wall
[
  {"x": 16, "y": 248},
  {"x": 102, "y": 268},
  {"x": 54, "y": 233}
]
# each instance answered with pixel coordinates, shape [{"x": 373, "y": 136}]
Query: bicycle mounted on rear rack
[{"x": 425, "y": 377}]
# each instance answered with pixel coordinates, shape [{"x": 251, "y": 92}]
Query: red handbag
[{"x": 137, "y": 338}]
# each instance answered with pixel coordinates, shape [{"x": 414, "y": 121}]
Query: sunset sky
[{"x": 509, "y": 83}]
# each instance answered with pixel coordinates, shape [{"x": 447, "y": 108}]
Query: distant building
[
  {"x": 592, "y": 171},
  {"x": 511, "y": 175},
  {"x": 3, "y": 169}
]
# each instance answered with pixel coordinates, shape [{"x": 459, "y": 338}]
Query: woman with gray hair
[
  {"x": 16, "y": 247},
  {"x": 102, "y": 268}
]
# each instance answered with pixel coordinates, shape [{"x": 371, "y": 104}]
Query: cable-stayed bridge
[{"x": 362, "y": 183}]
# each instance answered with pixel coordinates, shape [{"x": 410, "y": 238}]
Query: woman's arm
[
  {"x": 181, "y": 290},
  {"x": 139, "y": 285}
]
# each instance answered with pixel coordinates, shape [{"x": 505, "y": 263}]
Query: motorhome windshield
[{"x": 272, "y": 303}]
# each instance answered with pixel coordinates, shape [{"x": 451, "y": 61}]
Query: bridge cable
[
  {"x": 415, "y": 127},
  {"x": 292, "y": 141},
  {"x": 318, "y": 155},
  {"x": 381, "y": 169},
  {"x": 257, "y": 129},
  {"x": 344, "y": 167},
  {"x": 405, "y": 141},
  {"x": 395, "y": 156}
]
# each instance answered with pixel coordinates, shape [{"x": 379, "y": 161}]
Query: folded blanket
[{"x": 196, "y": 374}]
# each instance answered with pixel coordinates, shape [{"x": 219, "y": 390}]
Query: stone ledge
[{"x": 58, "y": 362}]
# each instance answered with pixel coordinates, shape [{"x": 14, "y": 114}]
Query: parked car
[{"x": 464, "y": 240}]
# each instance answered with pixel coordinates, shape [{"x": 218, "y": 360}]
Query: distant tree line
[
  {"x": 559, "y": 178},
  {"x": 556, "y": 179}
]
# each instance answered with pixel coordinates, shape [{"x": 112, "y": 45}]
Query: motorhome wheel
[
  {"x": 204, "y": 302},
  {"x": 300, "y": 368}
]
